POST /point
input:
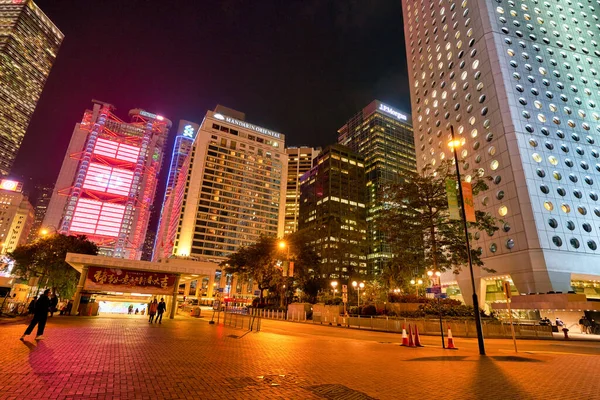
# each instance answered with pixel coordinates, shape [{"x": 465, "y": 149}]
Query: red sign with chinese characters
[{"x": 126, "y": 280}]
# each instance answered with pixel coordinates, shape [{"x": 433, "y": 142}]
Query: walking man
[
  {"x": 40, "y": 316},
  {"x": 53, "y": 304},
  {"x": 162, "y": 307},
  {"x": 152, "y": 308}
]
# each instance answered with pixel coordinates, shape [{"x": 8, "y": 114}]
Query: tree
[
  {"x": 417, "y": 222},
  {"x": 259, "y": 262},
  {"x": 45, "y": 258},
  {"x": 262, "y": 261}
]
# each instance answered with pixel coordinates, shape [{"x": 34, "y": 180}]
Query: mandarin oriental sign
[
  {"x": 124, "y": 280},
  {"x": 246, "y": 125}
]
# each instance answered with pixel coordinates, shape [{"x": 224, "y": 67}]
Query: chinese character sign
[
  {"x": 467, "y": 190},
  {"x": 123, "y": 280}
]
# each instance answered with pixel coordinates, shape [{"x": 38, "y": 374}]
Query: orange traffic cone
[
  {"x": 404, "y": 336},
  {"x": 410, "y": 337},
  {"x": 417, "y": 340},
  {"x": 450, "y": 340}
]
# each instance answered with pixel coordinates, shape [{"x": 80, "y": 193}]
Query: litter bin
[{"x": 195, "y": 312}]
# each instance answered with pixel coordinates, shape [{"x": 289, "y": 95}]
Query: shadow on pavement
[
  {"x": 440, "y": 358},
  {"x": 515, "y": 358},
  {"x": 487, "y": 370}
]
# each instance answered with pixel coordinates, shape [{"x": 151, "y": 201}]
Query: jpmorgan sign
[{"x": 391, "y": 111}]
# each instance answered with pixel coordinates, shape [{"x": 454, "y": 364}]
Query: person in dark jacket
[
  {"x": 162, "y": 307},
  {"x": 40, "y": 316},
  {"x": 53, "y": 304},
  {"x": 31, "y": 308}
]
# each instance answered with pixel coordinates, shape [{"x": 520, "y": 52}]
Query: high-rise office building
[
  {"x": 300, "y": 161},
  {"x": 519, "y": 82},
  {"x": 333, "y": 209},
  {"x": 43, "y": 193},
  {"x": 231, "y": 190},
  {"x": 167, "y": 224},
  {"x": 16, "y": 216},
  {"x": 108, "y": 180},
  {"x": 29, "y": 42},
  {"x": 384, "y": 136}
]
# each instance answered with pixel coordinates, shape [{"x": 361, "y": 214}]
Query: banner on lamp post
[
  {"x": 452, "y": 199},
  {"x": 469, "y": 207}
]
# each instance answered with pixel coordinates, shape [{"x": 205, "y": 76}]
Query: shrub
[{"x": 368, "y": 310}]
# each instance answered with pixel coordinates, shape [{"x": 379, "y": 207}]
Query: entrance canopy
[
  {"x": 100, "y": 274},
  {"x": 184, "y": 268}
]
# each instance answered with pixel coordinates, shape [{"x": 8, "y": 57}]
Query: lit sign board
[
  {"x": 391, "y": 111},
  {"x": 150, "y": 115},
  {"x": 13, "y": 186},
  {"x": 246, "y": 125},
  {"x": 188, "y": 131},
  {"x": 97, "y": 218}
]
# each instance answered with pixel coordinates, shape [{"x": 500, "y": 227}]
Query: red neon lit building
[{"x": 108, "y": 180}]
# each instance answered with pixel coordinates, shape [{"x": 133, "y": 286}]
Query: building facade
[
  {"x": 231, "y": 189},
  {"x": 333, "y": 209},
  {"x": 384, "y": 137},
  {"x": 43, "y": 194},
  {"x": 16, "y": 216},
  {"x": 520, "y": 84},
  {"x": 108, "y": 179},
  {"x": 171, "y": 205},
  {"x": 29, "y": 43},
  {"x": 300, "y": 161}
]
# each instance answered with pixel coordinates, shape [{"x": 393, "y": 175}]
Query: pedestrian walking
[
  {"x": 162, "y": 307},
  {"x": 40, "y": 316},
  {"x": 152, "y": 309},
  {"x": 31, "y": 308},
  {"x": 53, "y": 304},
  {"x": 583, "y": 322},
  {"x": 130, "y": 309}
]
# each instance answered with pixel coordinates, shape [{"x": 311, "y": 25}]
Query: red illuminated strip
[
  {"x": 116, "y": 150},
  {"x": 103, "y": 178},
  {"x": 97, "y": 218}
]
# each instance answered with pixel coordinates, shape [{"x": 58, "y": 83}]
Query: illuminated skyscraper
[
  {"x": 230, "y": 192},
  {"x": 16, "y": 216},
  {"x": 29, "y": 42},
  {"x": 300, "y": 161},
  {"x": 520, "y": 83},
  {"x": 167, "y": 225},
  {"x": 108, "y": 179},
  {"x": 384, "y": 137},
  {"x": 333, "y": 209},
  {"x": 43, "y": 194}
]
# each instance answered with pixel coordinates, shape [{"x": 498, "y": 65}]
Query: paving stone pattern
[{"x": 127, "y": 358}]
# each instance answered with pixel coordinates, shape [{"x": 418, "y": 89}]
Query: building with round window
[{"x": 520, "y": 82}]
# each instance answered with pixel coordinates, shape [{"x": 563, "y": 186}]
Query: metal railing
[{"x": 460, "y": 328}]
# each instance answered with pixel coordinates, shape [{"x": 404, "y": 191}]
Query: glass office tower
[{"x": 29, "y": 42}]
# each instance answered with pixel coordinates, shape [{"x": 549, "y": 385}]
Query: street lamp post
[
  {"x": 438, "y": 278},
  {"x": 334, "y": 286},
  {"x": 358, "y": 286},
  {"x": 417, "y": 283},
  {"x": 453, "y": 145},
  {"x": 283, "y": 245}
]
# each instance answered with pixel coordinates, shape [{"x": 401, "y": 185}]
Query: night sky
[{"x": 298, "y": 67}]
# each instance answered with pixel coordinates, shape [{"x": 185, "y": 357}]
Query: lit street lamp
[
  {"x": 417, "y": 283},
  {"x": 453, "y": 145},
  {"x": 334, "y": 286},
  {"x": 358, "y": 286}
]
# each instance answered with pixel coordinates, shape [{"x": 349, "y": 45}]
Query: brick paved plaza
[{"x": 126, "y": 358}]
